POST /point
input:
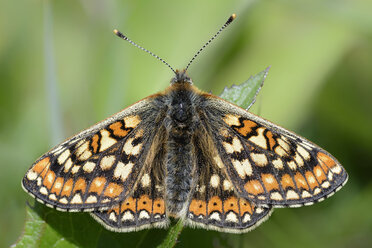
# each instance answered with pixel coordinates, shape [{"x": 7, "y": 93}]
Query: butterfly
[{"x": 186, "y": 154}]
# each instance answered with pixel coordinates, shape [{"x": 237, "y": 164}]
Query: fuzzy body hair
[{"x": 180, "y": 123}]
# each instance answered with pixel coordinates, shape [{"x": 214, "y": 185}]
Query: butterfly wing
[
  {"x": 96, "y": 168},
  {"x": 269, "y": 164},
  {"x": 145, "y": 206},
  {"x": 214, "y": 203}
]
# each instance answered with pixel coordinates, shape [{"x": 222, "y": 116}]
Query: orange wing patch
[
  {"x": 97, "y": 185},
  {"x": 246, "y": 127},
  {"x": 117, "y": 129},
  {"x": 113, "y": 190},
  {"x": 231, "y": 204},
  {"x": 254, "y": 187},
  {"x": 215, "y": 204},
  {"x": 198, "y": 207}
]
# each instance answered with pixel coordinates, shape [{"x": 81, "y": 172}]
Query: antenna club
[
  {"x": 231, "y": 18},
  {"x": 120, "y": 34}
]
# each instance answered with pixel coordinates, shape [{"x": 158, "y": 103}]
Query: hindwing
[
  {"x": 214, "y": 202},
  {"x": 145, "y": 206}
]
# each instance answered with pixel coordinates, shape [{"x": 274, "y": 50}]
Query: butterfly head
[{"x": 181, "y": 77}]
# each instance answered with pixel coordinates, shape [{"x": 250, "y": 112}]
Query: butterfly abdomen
[{"x": 180, "y": 122}]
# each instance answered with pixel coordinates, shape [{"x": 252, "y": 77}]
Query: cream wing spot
[
  {"x": 299, "y": 160},
  {"x": 259, "y": 140},
  {"x": 43, "y": 191},
  {"x": 284, "y": 144},
  {"x": 144, "y": 215},
  {"x": 237, "y": 145},
  {"x": 75, "y": 169},
  {"x": 132, "y": 121},
  {"x": 130, "y": 149},
  {"x": 127, "y": 216},
  {"x": 276, "y": 196},
  {"x": 32, "y": 175},
  {"x": 63, "y": 200},
  {"x": 243, "y": 168},
  {"x": 231, "y": 120},
  {"x": 123, "y": 170},
  {"x": 201, "y": 189},
  {"x": 259, "y": 158},
  {"x": 228, "y": 147},
  {"x": 227, "y": 186},
  {"x": 259, "y": 210},
  {"x": 215, "y": 180},
  {"x": 280, "y": 151},
  {"x": 305, "y": 154},
  {"x": 89, "y": 167},
  {"x": 85, "y": 155},
  {"x": 76, "y": 199},
  {"x": 330, "y": 176},
  {"x": 278, "y": 164},
  {"x": 107, "y": 162},
  {"x": 326, "y": 185},
  {"x": 112, "y": 216},
  {"x": 246, "y": 218},
  {"x": 215, "y": 216},
  {"x": 231, "y": 217},
  {"x": 82, "y": 149},
  {"x": 53, "y": 197},
  {"x": 336, "y": 169},
  {"x": 292, "y": 195},
  {"x": 317, "y": 191},
  {"x": 68, "y": 165},
  {"x": 218, "y": 161},
  {"x": 318, "y": 172},
  {"x": 64, "y": 155},
  {"x": 305, "y": 194},
  {"x": 106, "y": 140},
  {"x": 91, "y": 199},
  {"x": 292, "y": 165},
  {"x": 146, "y": 180}
]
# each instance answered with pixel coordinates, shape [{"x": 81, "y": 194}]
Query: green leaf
[{"x": 244, "y": 95}]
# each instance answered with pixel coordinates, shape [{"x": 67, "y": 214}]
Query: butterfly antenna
[
  {"x": 121, "y": 35},
  {"x": 227, "y": 23}
]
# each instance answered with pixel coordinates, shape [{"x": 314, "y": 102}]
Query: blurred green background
[{"x": 62, "y": 69}]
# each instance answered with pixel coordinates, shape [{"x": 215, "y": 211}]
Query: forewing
[
  {"x": 145, "y": 206},
  {"x": 214, "y": 203},
  {"x": 268, "y": 164},
  {"x": 95, "y": 168}
]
